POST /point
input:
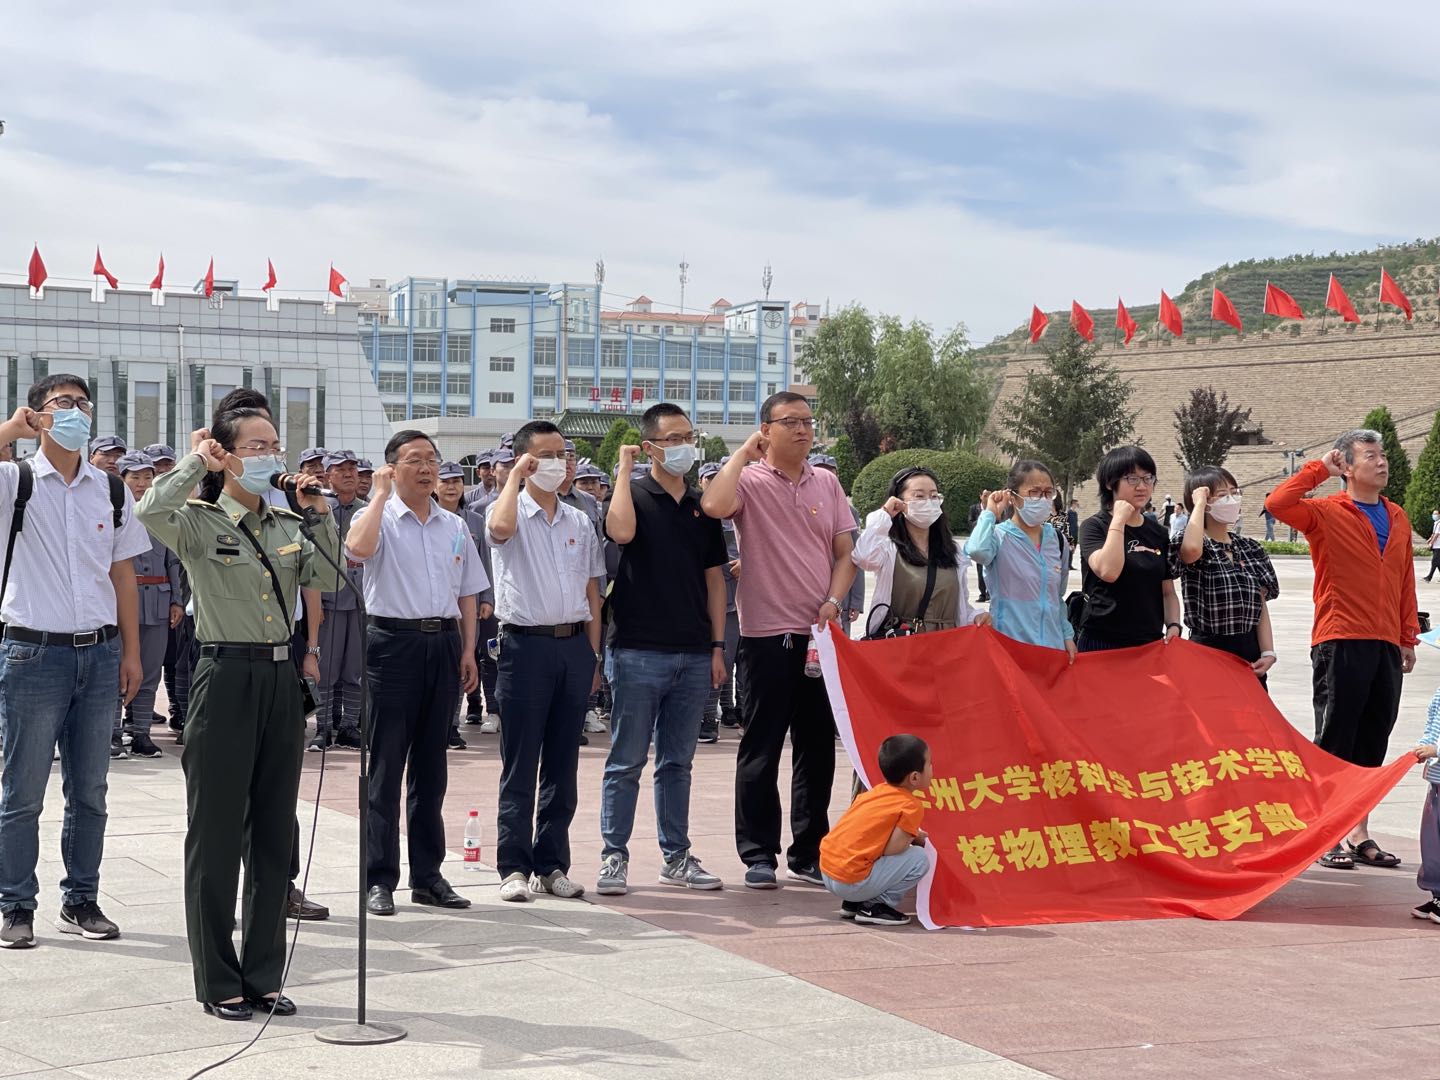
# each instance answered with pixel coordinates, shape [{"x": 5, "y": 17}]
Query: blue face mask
[
  {"x": 258, "y": 471},
  {"x": 70, "y": 428},
  {"x": 679, "y": 459}
]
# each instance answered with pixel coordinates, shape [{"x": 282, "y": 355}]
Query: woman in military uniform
[{"x": 245, "y": 729}]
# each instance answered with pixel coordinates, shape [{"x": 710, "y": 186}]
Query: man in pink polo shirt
[{"x": 793, "y": 526}]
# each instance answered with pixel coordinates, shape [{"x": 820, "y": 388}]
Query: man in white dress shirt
[
  {"x": 72, "y": 646},
  {"x": 422, "y": 574}
]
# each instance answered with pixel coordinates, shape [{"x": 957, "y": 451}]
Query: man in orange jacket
[{"x": 1365, "y": 631}]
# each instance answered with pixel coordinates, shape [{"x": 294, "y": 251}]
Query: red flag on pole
[
  {"x": 1279, "y": 302},
  {"x": 38, "y": 273},
  {"x": 1222, "y": 310},
  {"x": 1082, "y": 322},
  {"x": 1123, "y": 321},
  {"x": 337, "y": 279},
  {"x": 1170, "y": 316},
  {"x": 1038, "y": 322},
  {"x": 1390, "y": 294},
  {"x": 100, "y": 270},
  {"x": 210, "y": 278},
  {"x": 1338, "y": 302},
  {"x": 158, "y": 281},
  {"x": 270, "y": 279}
]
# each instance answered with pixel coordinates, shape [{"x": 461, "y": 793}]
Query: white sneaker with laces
[
  {"x": 490, "y": 725},
  {"x": 557, "y": 884},
  {"x": 515, "y": 889},
  {"x": 593, "y": 724},
  {"x": 613, "y": 871},
  {"x": 687, "y": 872}
]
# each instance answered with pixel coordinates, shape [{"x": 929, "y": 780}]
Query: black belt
[
  {"x": 425, "y": 626},
  {"x": 243, "y": 650},
  {"x": 569, "y": 629},
  {"x": 44, "y": 637}
]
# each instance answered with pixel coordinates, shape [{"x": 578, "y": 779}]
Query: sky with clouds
[{"x": 951, "y": 161}]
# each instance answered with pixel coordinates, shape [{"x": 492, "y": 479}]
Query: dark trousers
[
  {"x": 244, "y": 738},
  {"x": 414, "y": 690},
  {"x": 174, "y": 649},
  {"x": 980, "y": 580},
  {"x": 544, "y": 684},
  {"x": 1434, "y": 563},
  {"x": 776, "y": 696},
  {"x": 1356, "y": 692},
  {"x": 1246, "y": 646},
  {"x": 489, "y": 669},
  {"x": 179, "y": 675}
]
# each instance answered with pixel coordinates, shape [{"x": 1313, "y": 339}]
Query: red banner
[{"x": 1138, "y": 784}]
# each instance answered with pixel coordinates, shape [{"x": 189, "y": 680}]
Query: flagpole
[{"x": 1379, "y": 297}]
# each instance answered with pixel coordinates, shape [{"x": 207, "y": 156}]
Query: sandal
[
  {"x": 1337, "y": 858},
  {"x": 1370, "y": 853}
]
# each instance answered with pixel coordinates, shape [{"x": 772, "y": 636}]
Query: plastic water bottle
[
  {"x": 812, "y": 659},
  {"x": 472, "y": 841}
]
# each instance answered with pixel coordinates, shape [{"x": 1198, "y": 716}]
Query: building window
[
  {"x": 545, "y": 352},
  {"x": 742, "y": 391},
  {"x": 769, "y": 388},
  {"x": 540, "y": 413},
  {"x": 800, "y": 332},
  {"x": 502, "y": 363},
  {"x": 217, "y": 394},
  {"x": 742, "y": 356},
  {"x": 710, "y": 391},
  {"x": 677, "y": 389},
  {"x": 147, "y": 413},
  {"x": 770, "y": 358},
  {"x": 427, "y": 348},
  {"x": 580, "y": 352},
  {"x": 457, "y": 410},
  {"x": 649, "y": 388},
  {"x": 425, "y": 382},
  {"x": 502, "y": 397},
  {"x": 646, "y": 354},
  {"x": 297, "y": 418},
  {"x": 391, "y": 382},
  {"x": 424, "y": 412},
  {"x": 677, "y": 356},
  {"x": 367, "y": 346},
  {"x": 612, "y": 354},
  {"x": 709, "y": 418},
  {"x": 502, "y": 326},
  {"x": 710, "y": 356},
  {"x": 578, "y": 389},
  {"x": 392, "y": 349},
  {"x": 458, "y": 384},
  {"x": 543, "y": 386},
  {"x": 457, "y": 348},
  {"x": 395, "y": 412},
  {"x": 608, "y": 388}
]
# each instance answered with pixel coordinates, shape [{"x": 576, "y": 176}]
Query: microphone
[{"x": 288, "y": 482}]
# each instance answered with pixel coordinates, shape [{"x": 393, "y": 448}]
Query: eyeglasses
[
  {"x": 1041, "y": 493},
  {"x": 419, "y": 462},
  {"x": 676, "y": 440},
  {"x": 1139, "y": 479},
  {"x": 65, "y": 401},
  {"x": 796, "y": 423},
  {"x": 252, "y": 448},
  {"x": 937, "y": 499}
]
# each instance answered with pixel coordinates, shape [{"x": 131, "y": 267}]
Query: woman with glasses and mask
[
  {"x": 1226, "y": 579},
  {"x": 919, "y": 569},
  {"x": 1125, "y": 560},
  {"x": 1017, "y": 541},
  {"x": 245, "y": 728}
]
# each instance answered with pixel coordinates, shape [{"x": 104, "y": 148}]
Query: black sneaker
[
  {"x": 709, "y": 730},
  {"x": 318, "y": 744},
  {"x": 760, "y": 876},
  {"x": 1428, "y": 910},
  {"x": 729, "y": 717},
  {"x": 809, "y": 874},
  {"x": 18, "y": 931},
  {"x": 348, "y": 738},
  {"x": 877, "y": 914},
  {"x": 175, "y": 723},
  {"x": 87, "y": 920},
  {"x": 473, "y": 718},
  {"x": 583, "y": 740},
  {"x": 456, "y": 742},
  {"x": 850, "y": 908},
  {"x": 141, "y": 745},
  {"x": 117, "y": 747}
]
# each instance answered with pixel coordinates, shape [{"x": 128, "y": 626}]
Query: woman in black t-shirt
[{"x": 1125, "y": 560}]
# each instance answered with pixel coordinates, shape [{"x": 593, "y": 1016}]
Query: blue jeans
[
  {"x": 663, "y": 694},
  {"x": 889, "y": 880},
  {"x": 55, "y": 694}
]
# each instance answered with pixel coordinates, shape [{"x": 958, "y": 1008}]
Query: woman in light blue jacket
[{"x": 1024, "y": 559}]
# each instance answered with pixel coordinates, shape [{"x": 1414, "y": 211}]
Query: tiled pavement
[{"x": 1328, "y": 978}]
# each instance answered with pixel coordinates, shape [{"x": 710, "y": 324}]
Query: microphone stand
[{"x": 360, "y": 1033}]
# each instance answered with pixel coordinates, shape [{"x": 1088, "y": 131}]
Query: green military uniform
[{"x": 245, "y": 730}]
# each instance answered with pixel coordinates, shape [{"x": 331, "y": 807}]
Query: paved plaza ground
[{"x": 1328, "y": 978}]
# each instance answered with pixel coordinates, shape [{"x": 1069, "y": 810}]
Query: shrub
[{"x": 962, "y": 477}]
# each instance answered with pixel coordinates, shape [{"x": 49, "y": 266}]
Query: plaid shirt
[
  {"x": 1432, "y": 736},
  {"x": 1225, "y": 596}
]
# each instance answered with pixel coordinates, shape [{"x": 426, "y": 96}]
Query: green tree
[
  {"x": 1380, "y": 420},
  {"x": 609, "y": 451},
  {"x": 1422, "y": 494},
  {"x": 839, "y": 359},
  {"x": 845, "y": 463},
  {"x": 583, "y": 449},
  {"x": 1073, "y": 409},
  {"x": 961, "y": 474},
  {"x": 1206, "y": 427},
  {"x": 713, "y": 448}
]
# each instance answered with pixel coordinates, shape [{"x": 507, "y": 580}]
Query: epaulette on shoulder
[
  {"x": 285, "y": 512},
  {"x": 204, "y": 504}
]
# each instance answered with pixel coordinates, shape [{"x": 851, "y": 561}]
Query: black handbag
[{"x": 892, "y": 625}]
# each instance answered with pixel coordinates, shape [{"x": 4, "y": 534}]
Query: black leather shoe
[
  {"x": 439, "y": 894},
  {"x": 380, "y": 901},
  {"x": 228, "y": 1010},
  {"x": 281, "y": 1005}
]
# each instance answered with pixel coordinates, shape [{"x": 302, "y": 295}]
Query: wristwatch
[
  {"x": 312, "y": 650},
  {"x": 833, "y": 600},
  {"x": 717, "y": 645}
]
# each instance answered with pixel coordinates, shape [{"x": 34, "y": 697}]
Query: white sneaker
[
  {"x": 490, "y": 725},
  {"x": 593, "y": 723},
  {"x": 557, "y": 884},
  {"x": 514, "y": 889}
]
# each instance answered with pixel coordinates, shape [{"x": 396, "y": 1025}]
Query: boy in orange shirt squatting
[{"x": 876, "y": 852}]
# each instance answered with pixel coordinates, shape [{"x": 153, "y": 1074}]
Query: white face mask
[
  {"x": 923, "y": 513},
  {"x": 550, "y": 475},
  {"x": 1225, "y": 509},
  {"x": 1036, "y": 511}
]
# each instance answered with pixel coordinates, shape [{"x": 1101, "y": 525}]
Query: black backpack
[{"x": 24, "y": 486}]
